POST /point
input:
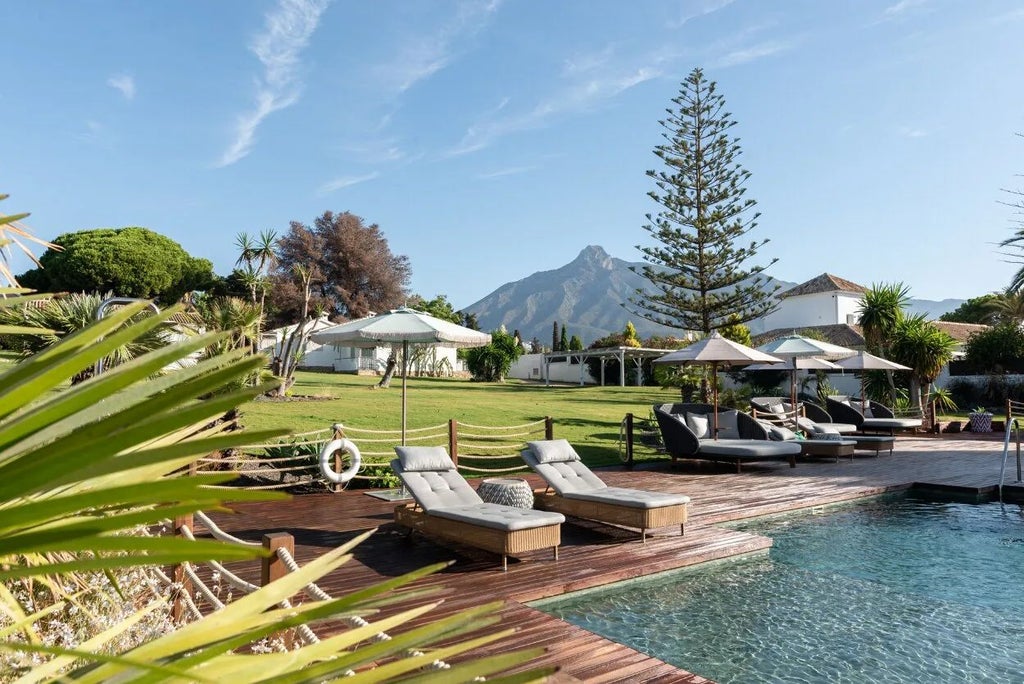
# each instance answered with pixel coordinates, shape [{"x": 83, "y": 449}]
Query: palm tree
[
  {"x": 257, "y": 257},
  {"x": 925, "y": 349},
  {"x": 1008, "y": 307},
  {"x": 880, "y": 311}
]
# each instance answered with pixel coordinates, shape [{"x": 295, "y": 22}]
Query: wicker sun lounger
[
  {"x": 579, "y": 492},
  {"x": 447, "y": 507}
]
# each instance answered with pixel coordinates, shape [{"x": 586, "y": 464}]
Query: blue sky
[{"x": 493, "y": 139}]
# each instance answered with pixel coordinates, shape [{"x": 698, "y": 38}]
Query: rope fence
[
  {"x": 294, "y": 463},
  {"x": 197, "y": 593}
]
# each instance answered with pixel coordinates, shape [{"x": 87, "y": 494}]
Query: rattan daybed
[
  {"x": 744, "y": 441},
  {"x": 879, "y": 417},
  {"x": 447, "y": 507},
  {"x": 573, "y": 489}
]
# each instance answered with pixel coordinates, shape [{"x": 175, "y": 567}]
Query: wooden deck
[{"x": 592, "y": 555}]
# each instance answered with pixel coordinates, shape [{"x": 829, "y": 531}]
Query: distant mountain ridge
[{"x": 587, "y": 296}]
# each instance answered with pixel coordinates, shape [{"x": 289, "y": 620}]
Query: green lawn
[{"x": 589, "y": 417}]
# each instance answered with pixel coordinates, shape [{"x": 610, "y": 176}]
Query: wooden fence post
[
  {"x": 272, "y": 568},
  {"x": 181, "y": 580},
  {"x": 549, "y": 427},
  {"x": 338, "y": 434},
  {"x": 453, "y": 440},
  {"x": 629, "y": 440}
]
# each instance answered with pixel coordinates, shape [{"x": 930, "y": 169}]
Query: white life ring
[{"x": 327, "y": 460}]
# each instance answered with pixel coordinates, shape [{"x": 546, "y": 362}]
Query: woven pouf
[{"x": 507, "y": 491}]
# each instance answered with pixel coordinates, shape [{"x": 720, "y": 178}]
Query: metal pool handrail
[{"x": 1012, "y": 423}]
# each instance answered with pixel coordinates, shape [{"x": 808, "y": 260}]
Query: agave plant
[
  {"x": 55, "y": 317},
  {"x": 80, "y": 468}
]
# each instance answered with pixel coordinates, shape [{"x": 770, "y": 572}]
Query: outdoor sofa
[
  {"x": 783, "y": 405},
  {"x": 573, "y": 489},
  {"x": 686, "y": 432},
  {"x": 877, "y": 417},
  {"x": 447, "y": 507}
]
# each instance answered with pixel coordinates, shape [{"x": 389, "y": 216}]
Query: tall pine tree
[{"x": 696, "y": 268}]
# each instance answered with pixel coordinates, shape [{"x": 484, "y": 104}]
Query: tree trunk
[
  {"x": 915, "y": 393},
  {"x": 389, "y": 371}
]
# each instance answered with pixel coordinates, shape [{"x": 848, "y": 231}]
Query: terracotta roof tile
[
  {"x": 826, "y": 282},
  {"x": 961, "y": 332}
]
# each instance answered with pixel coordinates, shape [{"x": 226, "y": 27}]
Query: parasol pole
[
  {"x": 714, "y": 395},
  {"x": 792, "y": 384},
  {"x": 863, "y": 399},
  {"x": 405, "y": 378}
]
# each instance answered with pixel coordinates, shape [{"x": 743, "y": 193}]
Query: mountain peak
[{"x": 595, "y": 255}]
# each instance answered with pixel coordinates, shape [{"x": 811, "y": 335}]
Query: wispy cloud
[
  {"x": 345, "y": 182},
  {"x": 914, "y": 132},
  {"x": 92, "y": 133},
  {"x": 751, "y": 53},
  {"x": 901, "y": 7},
  {"x": 376, "y": 150},
  {"x": 580, "y": 95},
  {"x": 424, "y": 56},
  {"x": 287, "y": 30},
  {"x": 124, "y": 83},
  {"x": 696, "y": 10},
  {"x": 510, "y": 171}
]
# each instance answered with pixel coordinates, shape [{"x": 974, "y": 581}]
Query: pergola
[{"x": 622, "y": 354}]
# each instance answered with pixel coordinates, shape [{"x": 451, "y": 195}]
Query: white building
[
  {"x": 824, "y": 300},
  {"x": 424, "y": 360},
  {"x": 829, "y": 305}
]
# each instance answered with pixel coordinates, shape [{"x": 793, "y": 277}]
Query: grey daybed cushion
[
  {"x": 698, "y": 424},
  {"x": 748, "y": 448},
  {"x": 727, "y": 424},
  {"x": 778, "y": 433}
]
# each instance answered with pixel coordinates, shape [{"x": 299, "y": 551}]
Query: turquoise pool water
[{"x": 894, "y": 589}]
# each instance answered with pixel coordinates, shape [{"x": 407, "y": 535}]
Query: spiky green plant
[
  {"x": 83, "y": 467},
  {"x": 57, "y": 317}
]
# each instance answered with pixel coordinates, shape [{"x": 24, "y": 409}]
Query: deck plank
[{"x": 594, "y": 555}]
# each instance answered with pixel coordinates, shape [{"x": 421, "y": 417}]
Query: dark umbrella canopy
[
  {"x": 404, "y": 325},
  {"x": 715, "y": 350}
]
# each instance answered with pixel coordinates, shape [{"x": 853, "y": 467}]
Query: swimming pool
[{"x": 893, "y": 589}]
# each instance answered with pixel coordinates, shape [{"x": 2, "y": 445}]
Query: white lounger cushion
[
  {"x": 631, "y": 498},
  {"x": 437, "y": 489},
  {"x": 748, "y": 448},
  {"x": 574, "y": 480},
  {"x": 553, "y": 451},
  {"x": 890, "y": 423},
  {"x": 499, "y": 517},
  {"x": 422, "y": 458},
  {"x": 564, "y": 477}
]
